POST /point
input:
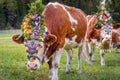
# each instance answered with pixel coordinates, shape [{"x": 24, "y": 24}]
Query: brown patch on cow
[
  {"x": 92, "y": 32},
  {"x": 115, "y": 37},
  {"x": 105, "y": 44},
  {"x": 50, "y": 62},
  {"x": 79, "y": 29},
  {"x": 18, "y": 38},
  {"x": 116, "y": 26}
]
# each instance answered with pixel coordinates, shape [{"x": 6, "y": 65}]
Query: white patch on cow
[
  {"x": 71, "y": 43},
  {"x": 54, "y": 4},
  {"x": 31, "y": 65},
  {"x": 79, "y": 59},
  {"x": 102, "y": 33},
  {"x": 102, "y": 53},
  {"x": 89, "y": 48},
  {"x": 51, "y": 73},
  {"x": 56, "y": 63},
  {"x": 73, "y": 28},
  {"x": 72, "y": 20},
  {"x": 69, "y": 59},
  {"x": 89, "y": 20}
]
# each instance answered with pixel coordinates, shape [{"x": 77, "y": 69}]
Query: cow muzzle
[
  {"x": 118, "y": 50},
  {"x": 32, "y": 66}
]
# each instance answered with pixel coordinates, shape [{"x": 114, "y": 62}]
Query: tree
[{"x": 113, "y": 6}]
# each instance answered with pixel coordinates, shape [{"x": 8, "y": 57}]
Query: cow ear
[
  {"x": 50, "y": 39},
  {"x": 18, "y": 38}
]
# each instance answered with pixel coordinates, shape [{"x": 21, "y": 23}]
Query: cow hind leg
[
  {"x": 79, "y": 59},
  {"x": 93, "y": 53},
  {"x": 89, "y": 50},
  {"x": 55, "y": 63},
  {"x": 102, "y": 54},
  {"x": 69, "y": 59}
]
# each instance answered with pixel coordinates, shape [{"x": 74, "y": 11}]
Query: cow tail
[
  {"x": 85, "y": 48},
  {"x": 85, "y": 53}
]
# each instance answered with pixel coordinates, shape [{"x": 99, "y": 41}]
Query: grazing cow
[
  {"x": 99, "y": 37},
  {"x": 66, "y": 28},
  {"x": 93, "y": 36}
]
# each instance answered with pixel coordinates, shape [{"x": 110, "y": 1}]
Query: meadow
[{"x": 13, "y": 58}]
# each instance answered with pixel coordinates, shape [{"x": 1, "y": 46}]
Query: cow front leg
[
  {"x": 55, "y": 63},
  {"x": 50, "y": 67},
  {"x": 69, "y": 59},
  {"x": 102, "y": 54},
  {"x": 110, "y": 47}
]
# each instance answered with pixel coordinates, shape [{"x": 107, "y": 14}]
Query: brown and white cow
[
  {"x": 116, "y": 29},
  {"x": 93, "y": 36},
  {"x": 100, "y": 38},
  {"x": 66, "y": 28}
]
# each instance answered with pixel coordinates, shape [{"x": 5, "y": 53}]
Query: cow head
[
  {"x": 36, "y": 49},
  {"x": 106, "y": 34}
]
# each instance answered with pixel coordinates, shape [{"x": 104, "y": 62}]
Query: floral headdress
[
  {"x": 33, "y": 30},
  {"x": 32, "y": 27}
]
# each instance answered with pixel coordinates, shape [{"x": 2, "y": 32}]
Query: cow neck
[{"x": 46, "y": 45}]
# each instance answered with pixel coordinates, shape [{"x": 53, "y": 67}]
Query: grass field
[{"x": 13, "y": 58}]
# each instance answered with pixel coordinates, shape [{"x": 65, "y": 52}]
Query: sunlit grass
[
  {"x": 5, "y": 35},
  {"x": 13, "y": 58}
]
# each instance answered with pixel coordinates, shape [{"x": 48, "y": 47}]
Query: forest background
[{"x": 12, "y": 12}]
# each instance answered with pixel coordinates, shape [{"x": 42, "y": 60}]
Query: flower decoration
[
  {"x": 32, "y": 49},
  {"x": 32, "y": 26},
  {"x": 107, "y": 28}
]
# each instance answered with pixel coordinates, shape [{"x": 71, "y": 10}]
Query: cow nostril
[
  {"x": 26, "y": 63},
  {"x": 35, "y": 65}
]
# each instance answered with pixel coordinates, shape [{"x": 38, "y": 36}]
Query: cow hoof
[
  {"x": 79, "y": 71},
  {"x": 93, "y": 60},
  {"x": 102, "y": 64},
  {"x": 68, "y": 72},
  {"x": 68, "y": 69},
  {"x": 51, "y": 73},
  {"x": 55, "y": 78},
  {"x": 90, "y": 63},
  {"x": 50, "y": 76}
]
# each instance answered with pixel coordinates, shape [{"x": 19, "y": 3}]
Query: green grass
[
  {"x": 5, "y": 35},
  {"x": 13, "y": 58}
]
